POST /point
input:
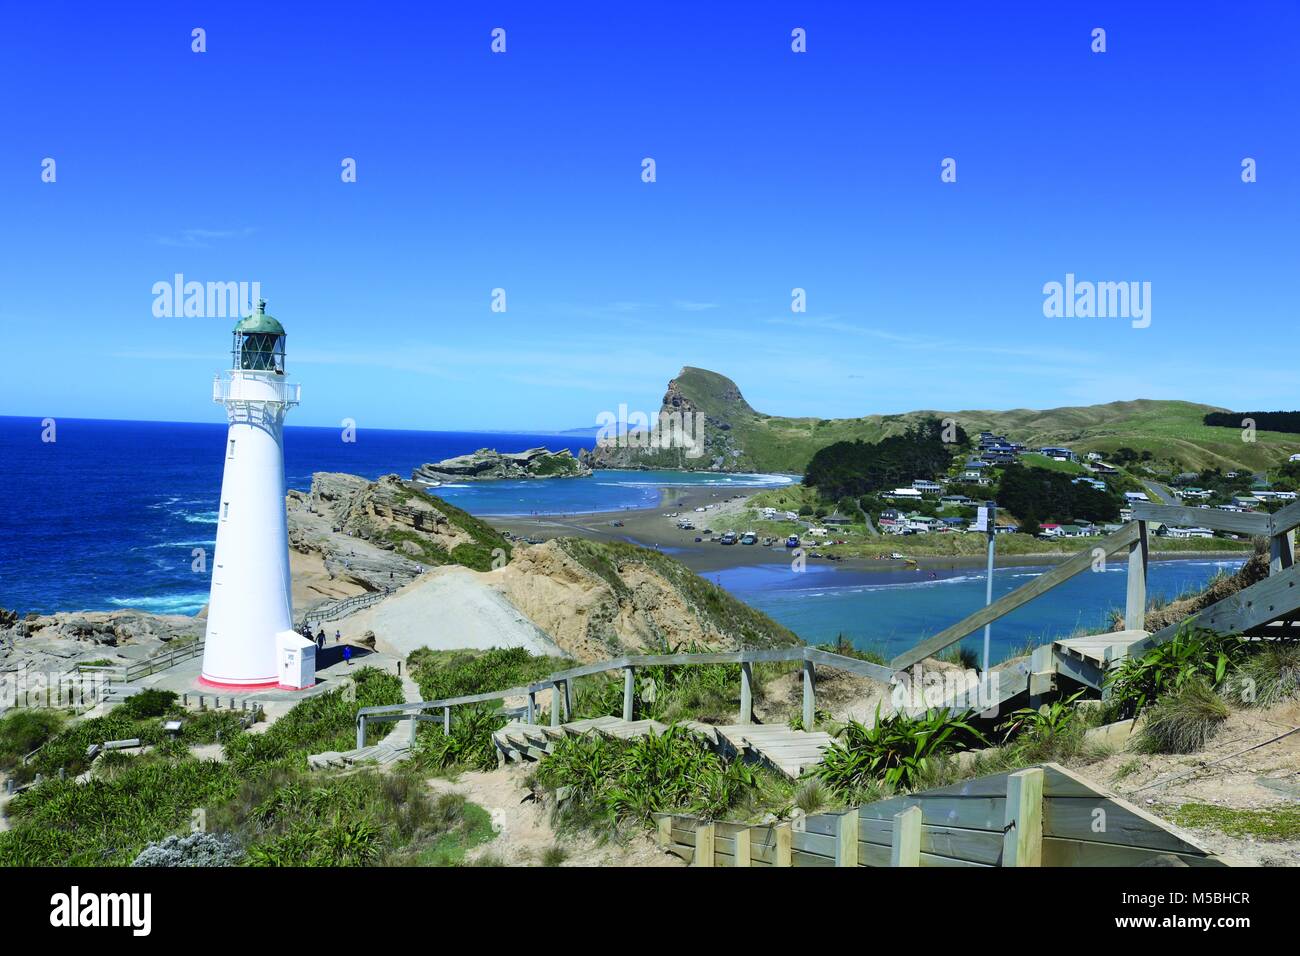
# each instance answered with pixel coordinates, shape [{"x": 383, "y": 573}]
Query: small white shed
[{"x": 297, "y": 657}]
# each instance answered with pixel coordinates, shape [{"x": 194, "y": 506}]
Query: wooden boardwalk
[{"x": 786, "y": 750}]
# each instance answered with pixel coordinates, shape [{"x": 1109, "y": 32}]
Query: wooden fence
[
  {"x": 560, "y": 685},
  {"x": 1040, "y": 816}
]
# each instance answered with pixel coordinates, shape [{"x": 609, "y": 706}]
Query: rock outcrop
[
  {"x": 56, "y": 641},
  {"x": 487, "y": 463},
  {"x": 597, "y": 600}
]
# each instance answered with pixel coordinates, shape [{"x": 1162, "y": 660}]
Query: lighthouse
[{"x": 251, "y": 602}]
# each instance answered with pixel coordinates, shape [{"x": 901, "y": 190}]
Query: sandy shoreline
[{"x": 649, "y": 528}]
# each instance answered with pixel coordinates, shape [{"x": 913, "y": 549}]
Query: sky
[{"x": 774, "y": 171}]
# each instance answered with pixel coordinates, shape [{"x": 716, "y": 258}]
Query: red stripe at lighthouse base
[{"x": 226, "y": 685}]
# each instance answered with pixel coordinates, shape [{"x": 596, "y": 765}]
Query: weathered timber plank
[
  {"x": 1027, "y": 592},
  {"x": 1237, "y": 522}
]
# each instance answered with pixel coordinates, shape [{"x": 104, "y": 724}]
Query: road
[{"x": 1163, "y": 494}]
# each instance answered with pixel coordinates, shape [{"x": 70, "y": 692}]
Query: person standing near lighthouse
[{"x": 251, "y": 595}]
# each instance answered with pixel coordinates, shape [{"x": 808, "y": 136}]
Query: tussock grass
[
  {"x": 1182, "y": 722},
  {"x": 1270, "y": 675}
]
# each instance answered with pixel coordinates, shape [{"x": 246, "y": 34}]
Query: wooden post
[
  {"x": 665, "y": 831},
  {"x": 846, "y": 842},
  {"x": 361, "y": 731},
  {"x": 628, "y": 690},
  {"x": 905, "y": 848},
  {"x": 784, "y": 844},
  {"x": 1281, "y": 552},
  {"x": 746, "y": 692},
  {"x": 1022, "y": 842},
  {"x": 532, "y": 706},
  {"x": 742, "y": 847},
  {"x": 446, "y": 720},
  {"x": 415, "y": 723},
  {"x": 704, "y": 843},
  {"x": 809, "y": 696},
  {"x": 1135, "y": 608},
  {"x": 568, "y": 699},
  {"x": 555, "y": 705}
]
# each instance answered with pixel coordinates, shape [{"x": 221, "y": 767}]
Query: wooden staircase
[{"x": 518, "y": 741}]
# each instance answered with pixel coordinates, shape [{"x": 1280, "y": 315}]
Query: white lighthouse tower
[{"x": 251, "y": 600}]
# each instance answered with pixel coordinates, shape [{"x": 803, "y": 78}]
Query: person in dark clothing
[
  {"x": 347, "y": 654},
  {"x": 320, "y": 639}
]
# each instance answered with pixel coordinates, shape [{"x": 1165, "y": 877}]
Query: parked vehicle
[
  {"x": 749, "y": 538},
  {"x": 792, "y": 541},
  {"x": 728, "y": 537}
]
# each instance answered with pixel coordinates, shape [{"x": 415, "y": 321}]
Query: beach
[{"x": 651, "y": 528}]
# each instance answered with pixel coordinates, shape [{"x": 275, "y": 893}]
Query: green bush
[
  {"x": 469, "y": 745},
  {"x": 442, "y": 675},
  {"x": 148, "y": 703},
  {"x": 1182, "y": 722},
  {"x": 1269, "y": 675},
  {"x": 1194, "y": 654},
  {"x": 611, "y": 781},
  {"x": 899, "y": 751},
  {"x": 22, "y": 731}
]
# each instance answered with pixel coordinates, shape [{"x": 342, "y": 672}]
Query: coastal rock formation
[
  {"x": 598, "y": 599},
  {"x": 47, "y": 642},
  {"x": 693, "y": 430},
  {"x": 487, "y": 463},
  {"x": 379, "y": 534}
]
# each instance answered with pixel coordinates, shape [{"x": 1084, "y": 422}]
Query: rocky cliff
[
  {"x": 600, "y": 599},
  {"x": 487, "y": 463},
  {"x": 380, "y": 534}
]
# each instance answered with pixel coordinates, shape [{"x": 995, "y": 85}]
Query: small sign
[{"x": 981, "y": 519}]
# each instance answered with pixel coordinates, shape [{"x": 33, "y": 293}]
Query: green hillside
[{"x": 740, "y": 438}]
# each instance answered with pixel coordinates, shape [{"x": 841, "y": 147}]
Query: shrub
[
  {"x": 148, "y": 703},
  {"x": 458, "y": 675},
  {"x": 468, "y": 746},
  {"x": 1182, "y": 722},
  {"x": 1268, "y": 676},
  {"x": 1194, "y": 654},
  {"x": 23, "y": 731},
  {"x": 612, "y": 781},
  {"x": 195, "y": 849},
  {"x": 898, "y": 751}
]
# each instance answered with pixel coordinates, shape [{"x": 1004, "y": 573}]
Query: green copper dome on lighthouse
[{"x": 259, "y": 321}]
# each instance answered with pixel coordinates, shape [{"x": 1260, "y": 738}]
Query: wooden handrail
[
  {"x": 750, "y": 656},
  {"x": 1123, "y": 538},
  {"x": 1236, "y": 522}
]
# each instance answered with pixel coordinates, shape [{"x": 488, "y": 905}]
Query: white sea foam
[{"x": 190, "y": 603}]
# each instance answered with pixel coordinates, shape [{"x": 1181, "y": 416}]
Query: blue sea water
[
  {"x": 889, "y": 611},
  {"x": 107, "y": 515}
]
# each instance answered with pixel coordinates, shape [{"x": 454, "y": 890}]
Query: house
[
  {"x": 1094, "y": 456},
  {"x": 1062, "y": 454},
  {"x": 1294, "y": 458},
  {"x": 922, "y": 524},
  {"x": 903, "y": 494},
  {"x": 1195, "y": 493},
  {"x": 1075, "y": 531},
  {"x": 956, "y": 524},
  {"x": 1101, "y": 468},
  {"x": 1096, "y": 483},
  {"x": 1246, "y": 502},
  {"x": 1006, "y": 526},
  {"x": 927, "y": 487},
  {"x": 1050, "y": 531},
  {"x": 1169, "y": 532},
  {"x": 837, "y": 519},
  {"x": 1285, "y": 495},
  {"x": 955, "y": 501},
  {"x": 1135, "y": 496}
]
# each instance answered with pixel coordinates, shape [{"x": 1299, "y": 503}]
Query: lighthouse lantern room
[{"x": 250, "y": 601}]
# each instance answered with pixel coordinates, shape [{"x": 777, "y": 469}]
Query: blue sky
[{"x": 775, "y": 170}]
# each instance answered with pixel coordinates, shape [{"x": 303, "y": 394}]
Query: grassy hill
[{"x": 740, "y": 438}]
